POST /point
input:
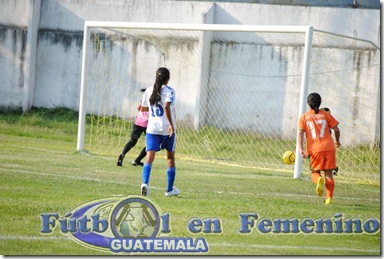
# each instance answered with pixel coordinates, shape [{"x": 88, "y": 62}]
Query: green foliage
[
  {"x": 62, "y": 123},
  {"x": 43, "y": 115},
  {"x": 60, "y": 114}
]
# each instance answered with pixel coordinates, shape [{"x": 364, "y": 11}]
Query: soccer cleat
[
  {"x": 135, "y": 163},
  {"x": 174, "y": 192},
  {"x": 328, "y": 201},
  {"x": 120, "y": 160},
  {"x": 336, "y": 171},
  {"x": 144, "y": 189},
  {"x": 320, "y": 186}
]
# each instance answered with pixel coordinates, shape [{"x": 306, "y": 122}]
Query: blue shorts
[{"x": 157, "y": 142}]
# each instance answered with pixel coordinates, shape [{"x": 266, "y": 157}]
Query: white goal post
[
  {"x": 308, "y": 30},
  {"x": 241, "y": 89}
]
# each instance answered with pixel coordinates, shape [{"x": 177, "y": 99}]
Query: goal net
[{"x": 239, "y": 91}]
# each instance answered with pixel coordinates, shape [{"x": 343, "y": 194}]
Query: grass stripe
[
  {"x": 314, "y": 248},
  {"x": 34, "y": 238},
  {"x": 161, "y": 188},
  {"x": 295, "y": 195}
]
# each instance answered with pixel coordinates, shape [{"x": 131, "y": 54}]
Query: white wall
[
  {"x": 58, "y": 70},
  {"x": 359, "y": 23},
  {"x": 70, "y": 15},
  {"x": 14, "y": 13},
  {"x": 61, "y": 25},
  {"x": 12, "y": 62},
  {"x": 13, "y": 37},
  {"x": 58, "y": 61}
]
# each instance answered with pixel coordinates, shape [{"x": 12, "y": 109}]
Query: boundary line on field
[
  {"x": 315, "y": 248},
  {"x": 214, "y": 161},
  {"x": 159, "y": 188}
]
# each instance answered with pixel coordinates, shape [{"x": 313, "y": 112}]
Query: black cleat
[
  {"x": 336, "y": 171},
  {"x": 120, "y": 160},
  {"x": 135, "y": 163}
]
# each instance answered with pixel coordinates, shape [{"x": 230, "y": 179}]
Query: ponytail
[
  {"x": 314, "y": 101},
  {"x": 162, "y": 77}
]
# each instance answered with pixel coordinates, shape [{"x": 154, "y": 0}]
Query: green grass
[{"x": 42, "y": 172}]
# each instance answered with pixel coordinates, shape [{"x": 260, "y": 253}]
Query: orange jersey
[{"x": 317, "y": 130}]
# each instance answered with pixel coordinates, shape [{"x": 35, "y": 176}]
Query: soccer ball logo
[
  {"x": 134, "y": 223},
  {"x": 135, "y": 218},
  {"x": 288, "y": 157}
]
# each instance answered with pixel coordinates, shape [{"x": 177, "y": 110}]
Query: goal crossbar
[{"x": 197, "y": 27}]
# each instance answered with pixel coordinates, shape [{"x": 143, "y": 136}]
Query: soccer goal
[{"x": 240, "y": 90}]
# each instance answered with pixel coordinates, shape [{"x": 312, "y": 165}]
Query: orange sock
[
  {"x": 315, "y": 176},
  {"x": 330, "y": 186}
]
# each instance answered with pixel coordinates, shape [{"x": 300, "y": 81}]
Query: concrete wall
[
  {"x": 60, "y": 33},
  {"x": 12, "y": 61},
  {"x": 13, "y": 39},
  {"x": 61, "y": 24},
  {"x": 372, "y": 4}
]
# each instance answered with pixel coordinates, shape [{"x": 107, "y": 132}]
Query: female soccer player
[
  {"x": 159, "y": 100},
  {"x": 321, "y": 149},
  {"x": 139, "y": 127},
  {"x": 335, "y": 172}
]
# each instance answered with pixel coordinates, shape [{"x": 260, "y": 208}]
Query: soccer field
[{"x": 41, "y": 172}]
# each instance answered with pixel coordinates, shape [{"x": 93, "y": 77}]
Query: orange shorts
[{"x": 321, "y": 161}]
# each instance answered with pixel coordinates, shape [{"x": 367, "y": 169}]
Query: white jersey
[{"x": 157, "y": 122}]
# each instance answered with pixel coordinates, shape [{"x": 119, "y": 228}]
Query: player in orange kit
[
  {"x": 321, "y": 149},
  {"x": 336, "y": 171}
]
